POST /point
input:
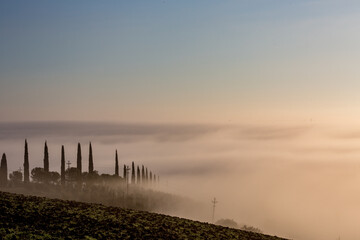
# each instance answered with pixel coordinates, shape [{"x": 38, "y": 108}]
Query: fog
[{"x": 296, "y": 181}]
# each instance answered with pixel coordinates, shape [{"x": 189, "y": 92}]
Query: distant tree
[
  {"x": 142, "y": 174},
  {"x": 91, "y": 161},
  {"x": 78, "y": 161},
  {"x": 154, "y": 180},
  {"x": 3, "y": 170},
  {"x": 106, "y": 177},
  {"x": 90, "y": 177},
  {"x": 132, "y": 172},
  {"x": 124, "y": 173},
  {"x": 227, "y": 223},
  {"x": 116, "y": 164},
  {"x": 54, "y": 177},
  {"x": 16, "y": 176},
  {"x": 62, "y": 165},
  {"x": 95, "y": 173},
  {"x": 146, "y": 176},
  {"x": 138, "y": 175},
  {"x": 46, "y": 158},
  {"x": 72, "y": 174},
  {"x": 250, "y": 229},
  {"x": 26, "y": 164},
  {"x": 151, "y": 175},
  {"x": 39, "y": 175}
]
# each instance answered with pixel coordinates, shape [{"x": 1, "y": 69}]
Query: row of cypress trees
[{"x": 138, "y": 177}]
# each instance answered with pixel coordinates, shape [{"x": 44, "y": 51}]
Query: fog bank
[{"x": 299, "y": 182}]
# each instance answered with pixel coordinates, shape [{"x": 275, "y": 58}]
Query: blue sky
[{"x": 187, "y": 61}]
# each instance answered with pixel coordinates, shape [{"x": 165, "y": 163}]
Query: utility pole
[
  {"x": 214, "y": 202},
  {"x": 68, "y": 164}
]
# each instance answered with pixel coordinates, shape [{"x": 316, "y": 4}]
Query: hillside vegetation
[{"x": 29, "y": 217}]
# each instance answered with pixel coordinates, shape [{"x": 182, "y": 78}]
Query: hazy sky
[{"x": 180, "y": 61}]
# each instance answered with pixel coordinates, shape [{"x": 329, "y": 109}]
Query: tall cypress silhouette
[
  {"x": 154, "y": 180},
  {"x": 91, "y": 161},
  {"x": 78, "y": 161},
  {"x": 132, "y": 172},
  {"x": 146, "y": 176},
  {"x": 138, "y": 181},
  {"x": 150, "y": 180},
  {"x": 46, "y": 158},
  {"x": 116, "y": 164},
  {"x": 142, "y": 174},
  {"x": 26, "y": 163},
  {"x": 62, "y": 165},
  {"x": 124, "y": 173},
  {"x": 3, "y": 170}
]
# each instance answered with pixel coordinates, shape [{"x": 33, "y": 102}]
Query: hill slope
[{"x": 28, "y": 217}]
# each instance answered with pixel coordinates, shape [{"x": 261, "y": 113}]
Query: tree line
[{"x": 71, "y": 175}]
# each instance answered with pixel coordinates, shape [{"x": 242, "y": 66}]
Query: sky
[
  {"x": 259, "y": 96},
  {"x": 179, "y": 61}
]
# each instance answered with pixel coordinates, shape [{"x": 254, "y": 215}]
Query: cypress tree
[
  {"x": 78, "y": 161},
  {"x": 124, "y": 173},
  {"x": 142, "y": 174},
  {"x": 62, "y": 165},
  {"x": 91, "y": 161},
  {"x": 138, "y": 175},
  {"x": 146, "y": 176},
  {"x": 154, "y": 180},
  {"x": 46, "y": 158},
  {"x": 26, "y": 163},
  {"x": 3, "y": 170},
  {"x": 150, "y": 177},
  {"x": 116, "y": 164},
  {"x": 132, "y": 172}
]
